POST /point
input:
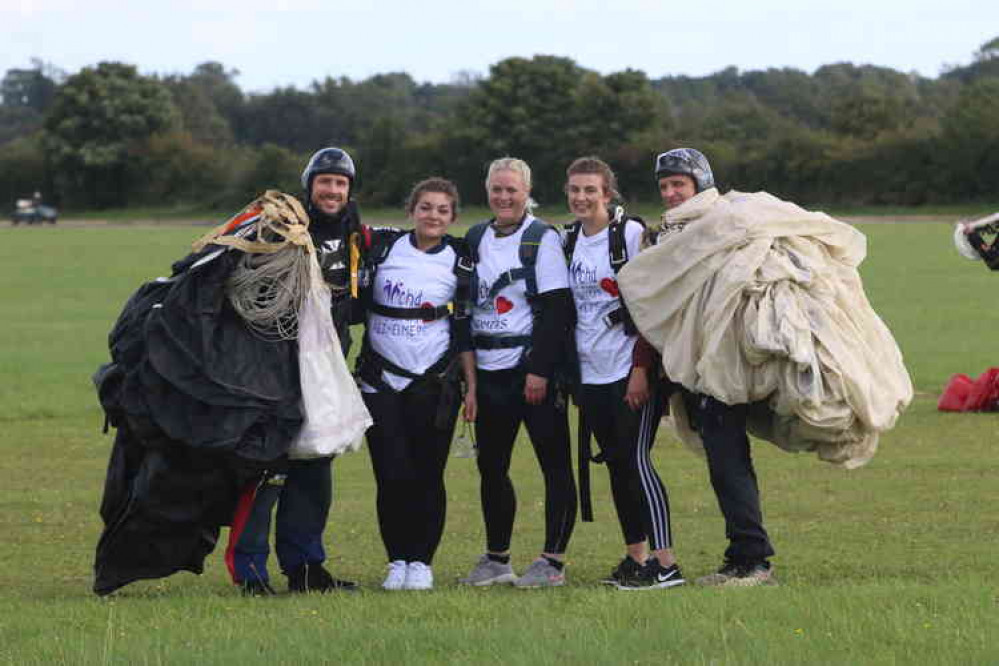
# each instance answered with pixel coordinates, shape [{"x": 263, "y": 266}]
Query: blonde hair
[{"x": 519, "y": 167}]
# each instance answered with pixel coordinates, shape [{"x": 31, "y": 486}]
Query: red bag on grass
[{"x": 962, "y": 394}]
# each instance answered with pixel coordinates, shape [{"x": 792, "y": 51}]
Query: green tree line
[{"x": 108, "y": 136}]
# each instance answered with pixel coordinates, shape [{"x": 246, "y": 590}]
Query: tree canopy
[{"x": 109, "y": 136}]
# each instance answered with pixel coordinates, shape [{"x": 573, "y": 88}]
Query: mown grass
[{"x": 890, "y": 564}]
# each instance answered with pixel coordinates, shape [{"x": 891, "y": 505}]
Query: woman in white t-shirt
[
  {"x": 520, "y": 328},
  {"x": 417, "y": 342},
  {"x": 618, "y": 399}
]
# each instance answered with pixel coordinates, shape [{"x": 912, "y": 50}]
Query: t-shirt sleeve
[{"x": 550, "y": 267}]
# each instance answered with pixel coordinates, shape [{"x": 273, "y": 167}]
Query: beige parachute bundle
[
  {"x": 271, "y": 280},
  {"x": 758, "y": 301}
]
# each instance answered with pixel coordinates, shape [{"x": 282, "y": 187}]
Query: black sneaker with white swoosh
[{"x": 653, "y": 576}]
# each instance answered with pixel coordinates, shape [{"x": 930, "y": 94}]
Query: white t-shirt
[
  {"x": 604, "y": 352},
  {"x": 409, "y": 278},
  {"x": 508, "y": 313}
]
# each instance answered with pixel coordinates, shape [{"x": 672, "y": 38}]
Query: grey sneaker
[
  {"x": 541, "y": 574},
  {"x": 740, "y": 575},
  {"x": 489, "y": 572}
]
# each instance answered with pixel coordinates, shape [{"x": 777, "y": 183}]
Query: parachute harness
[{"x": 272, "y": 277}]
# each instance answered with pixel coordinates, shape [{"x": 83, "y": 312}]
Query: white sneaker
[
  {"x": 396, "y": 578},
  {"x": 419, "y": 577}
]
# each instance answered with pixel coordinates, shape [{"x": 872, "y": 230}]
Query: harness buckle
[
  {"x": 428, "y": 313},
  {"x": 466, "y": 264}
]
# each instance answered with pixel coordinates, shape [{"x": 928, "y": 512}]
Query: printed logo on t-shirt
[
  {"x": 395, "y": 294},
  {"x": 610, "y": 286},
  {"x": 488, "y": 310},
  {"x": 398, "y": 296},
  {"x": 590, "y": 294}
]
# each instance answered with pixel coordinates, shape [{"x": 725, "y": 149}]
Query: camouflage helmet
[
  {"x": 687, "y": 162},
  {"x": 328, "y": 160}
]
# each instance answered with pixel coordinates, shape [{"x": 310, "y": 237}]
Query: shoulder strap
[
  {"x": 473, "y": 238},
  {"x": 617, "y": 245},
  {"x": 530, "y": 245},
  {"x": 463, "y": 270},
  {"x": 570, "y": 236},
  {"x": 380, "y": 242}
]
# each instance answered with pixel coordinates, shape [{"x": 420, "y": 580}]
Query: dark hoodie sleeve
[{"x": 550, "y": 335}]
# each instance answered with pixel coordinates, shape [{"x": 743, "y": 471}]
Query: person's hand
[
  {"x": 471, "y": 405},
  {"x": 638, "y": 388},
  {"x": 535, "y": 389}
]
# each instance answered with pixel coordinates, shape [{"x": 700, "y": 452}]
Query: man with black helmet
[
  {"x": 683, "y": 174},
  {"x": 303, "y": 490}
]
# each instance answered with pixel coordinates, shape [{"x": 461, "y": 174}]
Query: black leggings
[
  {"x": 409, "y": 454},
  {"x": 501, "y": 410},
  {"x": 626, "y": 438}
]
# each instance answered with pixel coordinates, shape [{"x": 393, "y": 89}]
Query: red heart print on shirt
[
  {"x": 610, "y": 286},
  {"x": 503, "y": 305}
]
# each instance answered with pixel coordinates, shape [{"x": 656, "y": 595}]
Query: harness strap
[
  {"x": 583, "y": 468},
  {"x": 425, "y": 313},
  {"x": 506, "y": 279},
  {"x": 500, "y": 342},
  {"x": 374, "y": 364}
]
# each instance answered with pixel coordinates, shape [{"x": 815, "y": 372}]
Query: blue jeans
[{"x": 303, "y": 496}]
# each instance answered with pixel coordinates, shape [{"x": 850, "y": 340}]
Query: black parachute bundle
[{"x": 203, "y": 405}]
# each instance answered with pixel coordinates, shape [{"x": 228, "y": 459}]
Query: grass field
[{"x": 891, "y": 564}]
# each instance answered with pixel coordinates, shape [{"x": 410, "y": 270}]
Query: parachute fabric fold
[{"x": 759, "y": 301}]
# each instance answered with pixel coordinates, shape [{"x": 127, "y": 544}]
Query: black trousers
[
  {"x": 502, "y": 408},
  {"x": 723, "y": 430},
  {"x": 626, "y": 438},
  {"x": 409, "y": 453}
]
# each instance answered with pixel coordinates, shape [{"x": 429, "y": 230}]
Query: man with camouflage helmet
[
  {"x": 683, "y": 174},
  {"x": 302, "y": 490}
]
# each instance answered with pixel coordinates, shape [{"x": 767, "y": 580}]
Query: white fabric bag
[{"x": 335, "y": 414}]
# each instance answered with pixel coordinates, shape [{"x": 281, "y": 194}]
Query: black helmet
[
  {"x": 328, "y": 160},
  {"x": 688, "y": 162}
]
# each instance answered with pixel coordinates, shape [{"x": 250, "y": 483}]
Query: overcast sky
[{"x": 293, "y": 42}]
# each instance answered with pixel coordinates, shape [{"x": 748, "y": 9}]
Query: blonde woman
[{"x": 520, "y": 327}]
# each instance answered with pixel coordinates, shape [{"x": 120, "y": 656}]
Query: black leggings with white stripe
[{"x": 626, "y": 438}]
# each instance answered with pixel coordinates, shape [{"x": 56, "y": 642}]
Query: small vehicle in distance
[{"x": 31, "y": 211}]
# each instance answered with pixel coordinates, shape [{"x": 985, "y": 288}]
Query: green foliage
[
  {"x": 971, "y": 140},
  {"x": 172, "y": 167},
  {"x": 989, "y": 50},
  {"x": 22, "y": 169},
  {"x": 548, "y": 111},
  {"x": 99, "y": 116},
  {"x": 846, "y": 134},
  {"x": 269, "y": 167}
]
